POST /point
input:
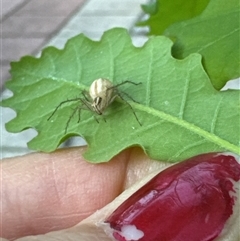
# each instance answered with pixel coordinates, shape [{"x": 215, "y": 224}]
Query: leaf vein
[
  {"x": 217, "y": 40},
  {"x": 186, "y": 148},
  {"x": 79, "y": 63},
  {"x": 191, "y": 127},
  {"x": 148, "y": 89},
  {"x": 184, "y": 97},
  {"x": 214, "y": 120},
  {"x": 111, "y": 60}
]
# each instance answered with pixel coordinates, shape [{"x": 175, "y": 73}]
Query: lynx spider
[{"x": 101, "y": 94}]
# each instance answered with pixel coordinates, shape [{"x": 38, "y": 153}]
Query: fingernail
[{"x": 191, "y": 200}]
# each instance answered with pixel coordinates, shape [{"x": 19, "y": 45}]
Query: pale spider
[{"x": 101, "y": 94}]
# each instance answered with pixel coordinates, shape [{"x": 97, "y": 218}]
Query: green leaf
[
  {"x": 215, "y": 35},
  {"x": 163, "y": 13},
  {"x": 181, "y": 113},
  {"x": 151, "y": 8}
]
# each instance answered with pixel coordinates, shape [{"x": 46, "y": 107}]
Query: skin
[{"x": 47, "y": 192}]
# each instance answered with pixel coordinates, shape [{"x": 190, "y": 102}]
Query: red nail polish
[{"x": 189, "y": 201}]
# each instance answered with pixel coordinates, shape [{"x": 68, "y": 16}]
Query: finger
[
  {"x": 46, "y": 192},
  {"x": 138, "y": 167}
]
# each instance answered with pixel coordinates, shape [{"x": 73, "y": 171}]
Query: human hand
[{"x": 48, "y": 192}]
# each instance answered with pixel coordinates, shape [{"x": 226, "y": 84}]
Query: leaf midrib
[{"x": 189, "y": 126}]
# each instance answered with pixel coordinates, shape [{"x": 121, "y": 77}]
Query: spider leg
[
  {"x": 130, "y": 107},
  {"x": 118, "y": 92},
  {"x": 86, "y": 106},
  {"x": 70, "y": 117},
  {"x": 89, "y": 107},
  {"x": 125, "y": 82},
  {"x": 104, "y": 119},
  {"x": 96, "y": 119},
  {"x": 85, "y": 95},
  {"x": 63, "y": 102},
  {"x": 79, "y": 114},
  {"x": 124, "y": 93}
]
